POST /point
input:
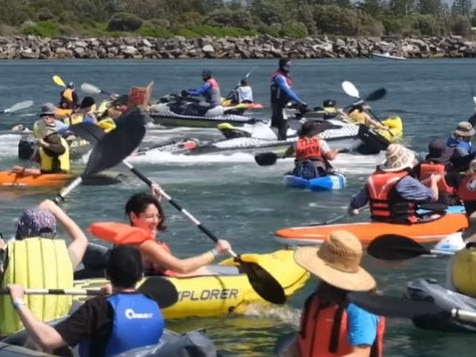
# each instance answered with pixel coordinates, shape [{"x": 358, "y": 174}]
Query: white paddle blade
[
  {"x": 474, "y": 100},
  {"x": 450, "y": 244},
  {"x": 90, "y": 89},
  {"x": 19, "y": 106},
  {"x": 350, "y": 89}
]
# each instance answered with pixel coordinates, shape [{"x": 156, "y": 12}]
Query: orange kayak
[
  {"x": 8, "y": 179},
  {"x": 425, "y": 232},
  {"x": 227, "y": 103}
]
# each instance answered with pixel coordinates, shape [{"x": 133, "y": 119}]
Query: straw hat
[
  {"x": 464, "y": 129},
  {"x": 337, "y": 262},
  {"x": 397, "y": 158},
  {"x": 469, "y": 235}
]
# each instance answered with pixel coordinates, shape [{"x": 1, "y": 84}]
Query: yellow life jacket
[
  {"x": 73, "y": 119},
  {"x": 107, "y": 124},
  {"x": 464, "y": 271},
  {"x": 395, "y": 125},
  {"x": 358, "y": 117},
  {"x": 103, "y": 106},
  {"x": 331, "y": 110},
  {"x": 36, "y": 263},
  {"x": 67, "y": 94},
  {"x": 47, "y": 162}
]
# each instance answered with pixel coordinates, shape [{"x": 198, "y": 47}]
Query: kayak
[
  {"x": 430, "y": 231},
  {"x": 325, "y": 183},
  {"x": 210, "y": 295},
  {"x": 57, "y": 180},
  {"x": 170, "y": 119},
  {"x": 190, "y": 344},
  {"x": 77, "y": 147},
  {"x": 386, "y": 56},
  {"x": 430, "y": 290}
]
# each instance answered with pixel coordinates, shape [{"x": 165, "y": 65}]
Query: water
[{"x": 239, "y": 200}]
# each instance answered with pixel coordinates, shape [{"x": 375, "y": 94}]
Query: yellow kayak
[
  {"x": 394, "y": 124},
  {"x": 228, "y": 290}
]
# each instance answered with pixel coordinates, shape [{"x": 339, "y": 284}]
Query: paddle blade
[
  {"x": 19, "y": 106},
  {"x": 395, "y": 247},
  {"x": 262, "y": 282},
  {"x": 266, "y": 159},
  {"x": 118, "y": 233},
  {"x": 88, "y": 131},
  {"x": 58, "y": 81},
  {"x": 350, "y": 89},
  {"x": 161, "y": 290},
  {"x": 116, "y": 145},
  {"x": 376, "y": 95},
  {"x": 393, "y": 307},
  {"x": 90, "y": 89}
]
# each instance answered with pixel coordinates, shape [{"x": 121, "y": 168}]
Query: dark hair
[
  {"x": 124, "y": 266},
  {"x": 329, "y": 295},
  {"x": 139, "y": 202}
]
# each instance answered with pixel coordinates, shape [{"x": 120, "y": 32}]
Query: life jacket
[
  {"x": 308, "y": 148},
  {"x": 277, "y": 96},
  {"x": 67, "y": 100},
  {"x": 330, "y": 110},
  {"x": 245, "y": 94},
  {"x": 324, "y": 331},
  {"x": 213, "y": 95},
  {"x": 74, "y": 119},
  {"x": 358, "y": 116},
  {"x": 137, "y": 322},
  {"x": 153, "y": 269},
  {"x": 467, "y": 193},
  {"x": 40, "y": 129},
  {"x": 60, "y": 164},
  {"x": 386, "y": 205},
  {"x": 445, "y": 192},
  {"x": 36, "y": 263},
  {"x": 107, "y": 124},
  {"x": 463, "y": 271}
]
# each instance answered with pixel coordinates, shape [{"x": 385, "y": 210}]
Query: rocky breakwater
[{"x": 33, "y": 47}]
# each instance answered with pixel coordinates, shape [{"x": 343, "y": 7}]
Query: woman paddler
[{"x": 144, "y": 211}]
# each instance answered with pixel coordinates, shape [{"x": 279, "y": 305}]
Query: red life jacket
[
  {"x": 277, "y": 73},
  {"x": 386, "y": 205},
  {"x": 467, "y": 192},
  {"x": 154, "y": 269},
  {"x": 428, "y": 168},
  {"x": 308, "y": 148},
  {"x": 324, "y": 331},
  {"x": 213, "y": 83}
]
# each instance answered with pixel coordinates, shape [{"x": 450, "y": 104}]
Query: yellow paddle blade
[
  {"x": 58, "y": 81},
  {"x": 222, "y": 126}
]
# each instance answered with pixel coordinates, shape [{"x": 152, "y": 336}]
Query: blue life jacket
[
  {"x": 137, "y": 322},
  {"x": 464, "y": 145}
]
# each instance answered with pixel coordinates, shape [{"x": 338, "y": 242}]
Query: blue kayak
[
  {"x": 325, "y": 183},
  {"x": 449, "y": 209}
]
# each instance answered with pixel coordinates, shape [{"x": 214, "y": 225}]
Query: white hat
[{"x": 397, "y": 158}]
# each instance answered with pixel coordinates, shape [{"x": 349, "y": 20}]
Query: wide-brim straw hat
[
  {"x": 337, "y": 262},
  {"x": 397, "y": 158},
  {"x": 464, "y": 129}
]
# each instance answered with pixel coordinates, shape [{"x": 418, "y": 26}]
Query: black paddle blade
[
  {"x": 395, "y": 247},
  {"x": 114, "y": 147},
  {"x": 376, "y": 95},
  {"x": 392, "y": 307},
  {"x": 263, "y": 283},
  {"x": 160, "y": 290},
  {"x": 266, "y": 159},
  {"x": 87, "y": 131},
  {"x": 433, "y": 206}
]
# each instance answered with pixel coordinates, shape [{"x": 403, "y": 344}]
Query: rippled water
[{"x": 239, "y": 200}]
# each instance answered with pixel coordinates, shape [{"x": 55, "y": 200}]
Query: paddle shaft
[
  {"x": 186, "y": 213},
  {"x": 338, "y": 218},
  {"x": 6, "y": 291}
]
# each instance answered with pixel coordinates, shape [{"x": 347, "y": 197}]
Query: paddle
[
  {"x": 157, "y": 288},
  {"x": 261, "y": 281},
  {"x": 111, "y": 148},
  {"x": 92, "y": 89},
  {"x": 58, "y": 81},
  {"x": 398, "y": 247},
  {"x": 270, "y": 158},
  {"x": 404, "y": 308},
  {"x": 18, "y": 106}
]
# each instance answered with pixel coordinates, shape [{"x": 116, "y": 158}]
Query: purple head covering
[{"x": 36, "y": 223}]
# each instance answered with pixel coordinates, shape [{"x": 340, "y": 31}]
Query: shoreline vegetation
[{"x": 232, "y": 29}]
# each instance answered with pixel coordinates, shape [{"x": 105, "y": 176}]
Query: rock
[{"x": 208, "y": 49}]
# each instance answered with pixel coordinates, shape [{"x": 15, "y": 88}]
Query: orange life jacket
[
  {"x": 154, "y": 269},
  {"x": 446, "y": 193},
  {"x": 308, "y": 148},
  {"x": 386, "y": 205},
  {"x": 324, "y": 331},
  {"x": 467, "y": 192}
]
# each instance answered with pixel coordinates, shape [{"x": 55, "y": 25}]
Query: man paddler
[{"x": 392, "y": 192}]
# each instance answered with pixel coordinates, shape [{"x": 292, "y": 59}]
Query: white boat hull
[{"x": 387, "y": 56}]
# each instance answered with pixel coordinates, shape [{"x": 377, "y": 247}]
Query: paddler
[
  {"x": 69, "y": 98},
  {"x": 359, "y": 114},
  {"x": 330, "y": 325},
  {"x": 460, "y": 139},
  {"x": 44, "y": 262},
  {"x": 438, "y": 162},
  {"x": 103, "y": 326},
  {"x": 84, "y": 114},
  {"x": 312, "y": 153},
  {"x": 47, "y": 123},
  {"x": 53, "y": 157},
  {"x": 210, "y": 90},
  {"x": 391, "y": 190},
  {"x": 243, "y": 93},
  {"x": 281, "y": 94}
]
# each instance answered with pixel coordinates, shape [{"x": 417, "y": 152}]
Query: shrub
[
  {"x": 294, "y": 29},
  {"x": 43, "y": 29},
  {"x": 124, "y": 22}
]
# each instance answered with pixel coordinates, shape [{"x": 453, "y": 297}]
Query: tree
[
  {"x": 372, "y": 7},
  {"x": 430, "y": 7}
]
